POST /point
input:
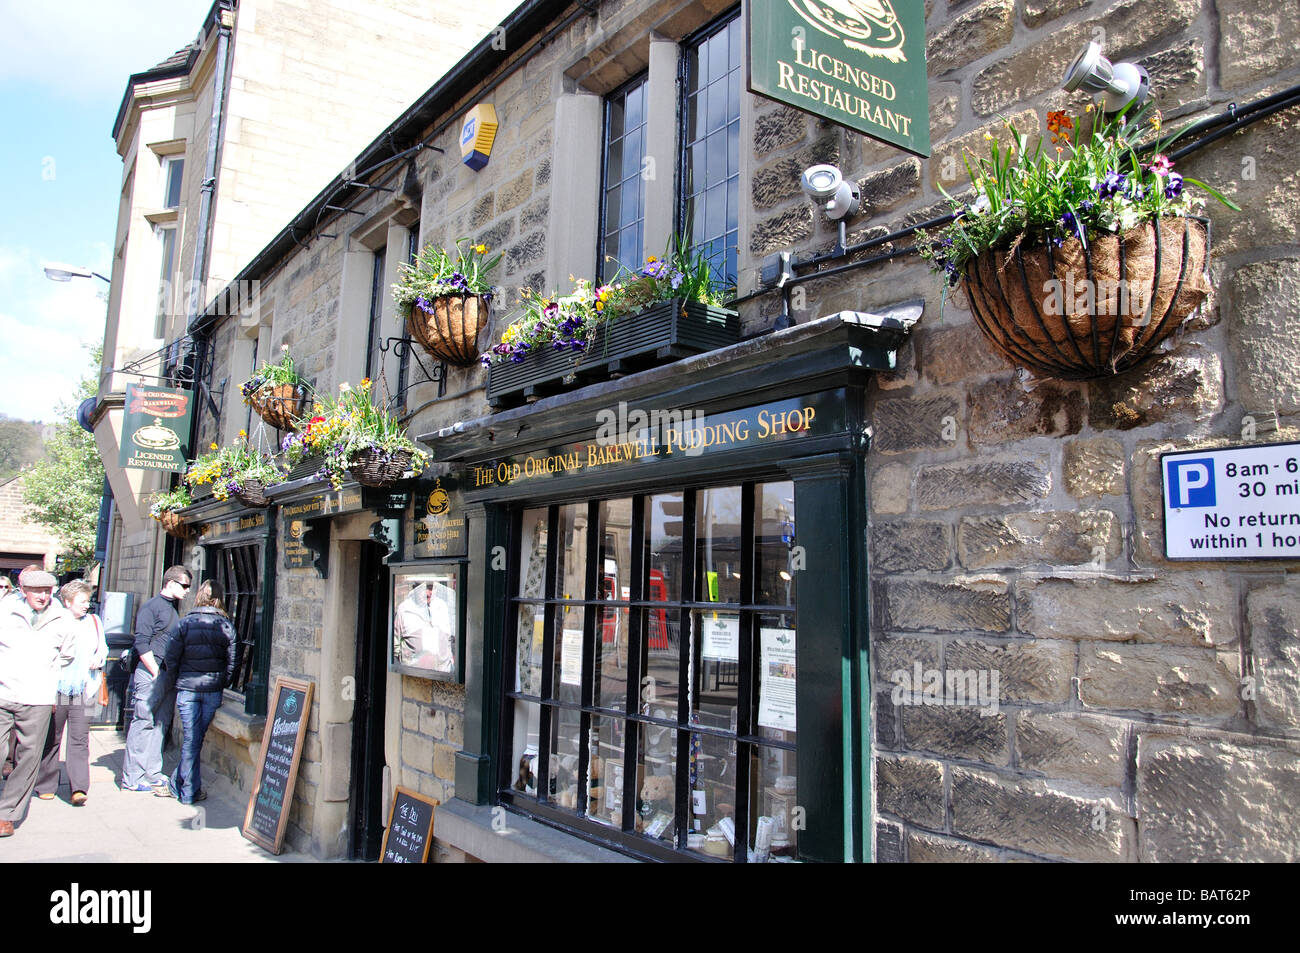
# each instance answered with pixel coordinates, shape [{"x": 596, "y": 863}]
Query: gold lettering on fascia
[
  {"x": 841, "y": 97},
  {"x": 765, "y": 424}
]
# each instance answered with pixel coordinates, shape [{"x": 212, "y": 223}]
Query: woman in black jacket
[{"x": 199, "y": 661}]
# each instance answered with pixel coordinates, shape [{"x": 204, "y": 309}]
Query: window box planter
[{"x": 658, "y": 334}]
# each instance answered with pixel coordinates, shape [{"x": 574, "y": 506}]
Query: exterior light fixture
[
  {"x": 60, "y": 271},
  {"x": 1118, "y": 83},
  {"x": 825, "y": 183}
]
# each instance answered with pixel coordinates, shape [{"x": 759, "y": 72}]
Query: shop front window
[
  {"x": 239, "y": 570},
  {"x": 650, "y": 672}
]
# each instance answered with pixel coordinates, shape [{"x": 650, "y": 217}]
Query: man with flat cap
[{"x": 37, "y": 638}]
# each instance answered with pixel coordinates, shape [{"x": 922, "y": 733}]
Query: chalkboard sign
[
  {"x": 277, "y": 767},
  {"x": 410, "y": 828}
]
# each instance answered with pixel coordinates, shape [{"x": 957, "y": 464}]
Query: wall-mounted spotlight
[
  {"x": 826, "y": 184},
  {"x": 1118, "y": 83}
]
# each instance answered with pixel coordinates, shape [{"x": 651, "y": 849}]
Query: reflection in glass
[
  {"x": 712, "y": 829},
  {"x": 660, "y": 666},
  {"x": 528, "y": 650},
  {"x": 656, "y": 783},
  {"x": 424, "y": 620},
  {"x": 663, "y": 521},
  {"x": 563, "y": 780},
  {"x": 532, "y": 562},
  {"x": 615, "y": 549},
  {"x": 524, "y": 749},
  {"x": 571, "y": 568},
  {"x": 774, "y": 818},
  {"x": 605, "y": 771},
  {"x": 715, "y": 669},
  {"x": 611, "y": 658},
  {"x": 774, "y": 542},
  {"x": 717, "y": 545}
]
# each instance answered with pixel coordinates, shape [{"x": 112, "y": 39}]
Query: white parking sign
[{"x": 1241, "y": 503}]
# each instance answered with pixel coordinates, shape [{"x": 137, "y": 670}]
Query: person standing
[
  {"x": 199, "y": 661},
  {"x": 36, "y": 640},
  {"x": 150, "y": 715},
  {"x": 79, "y": 683}
]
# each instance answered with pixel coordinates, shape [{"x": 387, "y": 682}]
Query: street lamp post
[{"x": 61, "y": 271}]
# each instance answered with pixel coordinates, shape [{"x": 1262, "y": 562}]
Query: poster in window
[
  {"x": 777, "y": 682},
  {"x": 721, "y": 633},
  {"x": 571, "y": 657},
  {"x": 427, "y": 620}
]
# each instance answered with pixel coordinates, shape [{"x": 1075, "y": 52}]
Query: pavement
[{"x": 116, "y": 826}]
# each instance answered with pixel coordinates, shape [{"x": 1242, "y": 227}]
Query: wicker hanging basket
[
  {"x": 1080, "y": 313},
  {"x": 280, "y": 405},
  {"x": 173, "y": 525},
  {"x": 450, "y": 332},
  {"x": 376, "y": 469},
  {"x": 253, "y": 494}
]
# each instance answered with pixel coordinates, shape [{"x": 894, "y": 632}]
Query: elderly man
[
  {"x": 151, "y": 716},
  {"x": 36, "y": 640}
]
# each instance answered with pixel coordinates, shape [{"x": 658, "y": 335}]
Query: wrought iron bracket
[
  {"x": 388, "y": 533},
  {"x": 316, "y": 537},
  {"x": 401, "y": 347}
]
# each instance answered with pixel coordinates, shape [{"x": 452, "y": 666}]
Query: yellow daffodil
[
  {"x": 481, "y": 249},
  {"x": 212, "y": 446}
]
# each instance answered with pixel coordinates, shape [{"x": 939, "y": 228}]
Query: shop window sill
[{"x": 468, "y": 827}]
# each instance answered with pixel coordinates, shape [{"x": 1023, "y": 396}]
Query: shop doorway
[{"x": 366, "y": 806}]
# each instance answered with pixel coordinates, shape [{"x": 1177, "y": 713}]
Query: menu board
[
  {"x": 409, "y": 834},
  {"x": 277, "y": 766}
]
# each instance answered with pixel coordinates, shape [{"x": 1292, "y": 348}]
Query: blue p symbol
[{"x": 1191, "y": 483}]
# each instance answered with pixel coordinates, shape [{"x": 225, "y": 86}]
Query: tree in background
[
  {"x": 20, "y": 445},
  {"x": 64, "y": 489}
]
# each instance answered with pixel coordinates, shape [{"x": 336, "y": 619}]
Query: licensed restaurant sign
[
  {"x": 860, "y": 63},
  {"x": 156, "y": 428}
]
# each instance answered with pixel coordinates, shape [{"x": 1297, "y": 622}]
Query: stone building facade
[
  {"x": 21, "y": 541},
  {"x": 1147, "y": 708}
]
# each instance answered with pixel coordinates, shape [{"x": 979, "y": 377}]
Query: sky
[{"x": 63, "y": 70}]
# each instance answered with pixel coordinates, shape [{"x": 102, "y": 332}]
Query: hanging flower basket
[
  {"x": 173, "y": 525},
  {"x": 1080, "y": 313},
  {"x": 280, "y": 404},
  {"x": 450, "y": 330},
  {"x": 375, "y": 468},
  {"x": 252, "y": 493}
]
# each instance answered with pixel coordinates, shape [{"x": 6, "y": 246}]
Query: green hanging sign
[
  {"x": 156, "y": 428},
  {"x": 860, "y": 63}
]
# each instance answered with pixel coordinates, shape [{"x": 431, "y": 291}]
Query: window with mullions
[
  {"x": 374, "y": 337},
  {"x": 239, "y": 570},
  {"x": 650, "y": 672},
  {"x": 622, "y": 191},
  {"x": 713, "y": 67}
]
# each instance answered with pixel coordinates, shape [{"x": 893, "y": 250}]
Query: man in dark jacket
[
  {"x": 198, "y": 661},
  {"x": 150, "y": 716}
]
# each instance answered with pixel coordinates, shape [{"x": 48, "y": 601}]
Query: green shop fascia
[{"x": 667, "y": 628}]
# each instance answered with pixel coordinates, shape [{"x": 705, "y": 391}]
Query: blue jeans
[{"x": 196, "y": 710}]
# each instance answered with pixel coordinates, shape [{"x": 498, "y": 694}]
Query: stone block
[
  {"x": 1030, "y": 816},
  {"x": 515, "y": 192},
  {"x": 783, "y": 126},
  {"x": 417, "y": 751},
  {"x": 973, "y": 34},
  {"x": 966, "y": 603},
  {"x": 1092, "y": 467},
  {"x": 1159, "y": 679},
  {"x": 1195, "y": 611},
  {"x": 946, "y": 166},
  {"x": 1182, "y": 386},
  {"x": 1001, "y": 411},
  {"x": 1273, "y": 618},
  {"x": 1027, "y": 73},
  {"x": 410, "y": 716},
  {"x": 456, "y": 730},
  {"x": 957, "y": 732},
  {"x": 498, "y": 234},
  {"x": 526, "y": 253},
  {"x": 481, "y": 212},
  {"x": 957, "y": 353},
  {"x": 1264, "y": 334},
  {"x": 417, "y": 689},
  {"x": 1134, "y": 24},
  {"x": 1252, "y": 45},
  {"x": 1216, "y": 801},
  {"x": 1040, "y": 11},
  {"x": 433, "y": 723},
  {"x": 1073, "y": 746},
  {"x": 900, "y": 654},
  {"x": 1177, "y": 74},
  {"x": 444, "y": 762},
  {"x": 886, "y": 721},
  {"x": 910, "y": 545},
  {"x": 888, "y": 188},
  {"x": 986, "y": 482},
  {"x": 1053, "y": 538},
  {"x": 1037, "y": 672},
  {"x": 945, "y": 110},
  {"x": 782, "y": 231},
  {"x": 904, "y": 424},
  {"x": 536, "y": 214},
  {"x": 911, "y": 789},
  {"x": 778, "y": 181},
  {"x": 889, "y": 843},
  {"x": 931, "y": 849}
]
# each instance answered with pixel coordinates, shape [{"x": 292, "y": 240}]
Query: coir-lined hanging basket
[
  {"x": 173, "y": 525},
  {"x": 1080, "y": 313},
  {"x": 374, "y": 468},
  {"x": 280, "y": 405},
  {"x": 253, "y": 493},
  {"x": 450, "y": 331}
]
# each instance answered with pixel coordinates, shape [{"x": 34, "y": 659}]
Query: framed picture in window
[{"x": 427, "y": 621}]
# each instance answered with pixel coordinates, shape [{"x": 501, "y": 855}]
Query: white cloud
[{"x": 79, "y": 47}]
